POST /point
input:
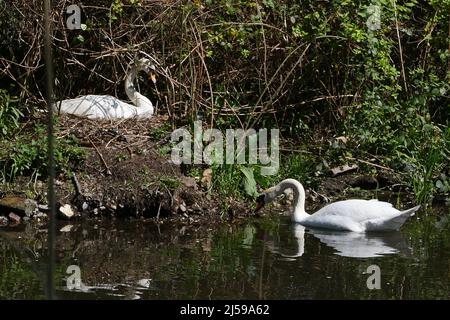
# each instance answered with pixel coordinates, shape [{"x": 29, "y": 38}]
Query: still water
[{"x": 265, "y": 258}]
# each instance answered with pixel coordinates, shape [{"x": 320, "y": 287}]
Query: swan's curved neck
[
  {"x": 130, "y": 89},
  {"x": 299, "y": 212}
]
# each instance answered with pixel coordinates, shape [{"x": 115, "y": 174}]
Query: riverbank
[{"x": 126, "y": 171}]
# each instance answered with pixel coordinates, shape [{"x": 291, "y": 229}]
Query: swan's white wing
[
  {"x": 96, "y": 107},
  {"x": 359, "y": 210},
  {"x": 353, "y": 215}
]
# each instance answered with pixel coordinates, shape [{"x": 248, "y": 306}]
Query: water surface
[{"x": 266, "y": 258}]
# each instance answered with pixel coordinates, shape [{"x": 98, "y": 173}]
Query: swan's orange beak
[{"x": 152, "y": 76}]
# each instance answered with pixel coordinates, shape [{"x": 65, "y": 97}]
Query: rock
[
  {"x": 40, "y": 215},
  {"x": 43, "y": 207},
  {"x": 84, "y": 206},
  {"x": 4, "y": 221},
  {"x": 18, "y": 205},
  {"x": 66, "y": 211},
  {"x": 66, "y": 228},
  {"x": 144, "y": 283},
  {"x": 14, "y": 218},
  {"x": 206, "y": 178},
  {"x": 343, "y": 169}
]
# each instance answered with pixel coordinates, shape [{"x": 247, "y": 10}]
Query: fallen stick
[
  {"x": 371, "y": 164},
  {"x": 108, "y": 171},
  {"x": 76, "y": 184}
]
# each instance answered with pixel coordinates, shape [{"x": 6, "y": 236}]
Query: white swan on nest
[
  {"x": 348, "y": 215},
  {"x": 108, "y": 107}
]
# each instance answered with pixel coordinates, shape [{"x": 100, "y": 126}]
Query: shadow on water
[{"x": 267, "y": 258}]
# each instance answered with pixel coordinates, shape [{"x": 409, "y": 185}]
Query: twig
[
  {"x": 108, "y": 171},
  {"x": 400, "y": 47},
  {"x": 76, "y": 184},
  {"x": 370, "y": 164},
  {"x": 159, "y": 210},
  {"x": 285, "y": 78}
]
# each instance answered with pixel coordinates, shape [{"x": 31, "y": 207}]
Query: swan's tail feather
[
  {"x": 396, "y": 222},
  {"x": 411, "y": 211}
]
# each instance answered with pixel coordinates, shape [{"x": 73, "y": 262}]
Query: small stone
[
  {"x": 66, "y": 228},
  {"x": 3, "y": 221},
  {"x": 144, "y": 283},
  {"x": 15, "y": 219},
  {"x": 206, "y": 178},
  {"x": 66, "y": 211},
  {"x": 40, "y": 215},
  {"x": 43, "y": 207},
  {"x": 182, "y": 208},
  {"x": 84, "y": 206},
  {"x": 343, "y": 169}
]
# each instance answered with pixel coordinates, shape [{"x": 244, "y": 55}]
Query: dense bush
[{"x": 322, "y": 66}]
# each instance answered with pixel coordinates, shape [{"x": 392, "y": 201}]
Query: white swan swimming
[
  {"x": 108, "y": 107},
  {"x": 348, "y": 215}
]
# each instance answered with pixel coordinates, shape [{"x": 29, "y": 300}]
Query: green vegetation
[
  {"x": 23, "y": 147},
  {"x": 9, "y": 115},
  {"x": 377, "y": 76}
]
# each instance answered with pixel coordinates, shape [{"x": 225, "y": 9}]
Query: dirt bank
[{"x": 126, "y": 171}]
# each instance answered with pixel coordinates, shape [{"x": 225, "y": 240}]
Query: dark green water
[{"x": 267, "y": 258}]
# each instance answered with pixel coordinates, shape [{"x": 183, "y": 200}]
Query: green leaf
[{"x": 249, "y": 181}]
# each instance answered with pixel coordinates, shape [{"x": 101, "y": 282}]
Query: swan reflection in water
[{"x": 348, "y": 244}]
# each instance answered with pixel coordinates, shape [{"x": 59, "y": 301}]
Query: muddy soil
[{"x": 127, "y": 171}]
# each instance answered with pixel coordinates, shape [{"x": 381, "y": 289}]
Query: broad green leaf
[{"x": 249, "y": 181}]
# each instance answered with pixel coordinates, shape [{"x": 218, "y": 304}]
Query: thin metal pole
[{"x": 51, "y": 161}]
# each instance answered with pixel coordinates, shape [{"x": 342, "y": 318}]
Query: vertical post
[{"x": 51, "y": 161}]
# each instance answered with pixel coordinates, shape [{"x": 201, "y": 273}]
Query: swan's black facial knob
[{"x": 260, "y": 202}]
